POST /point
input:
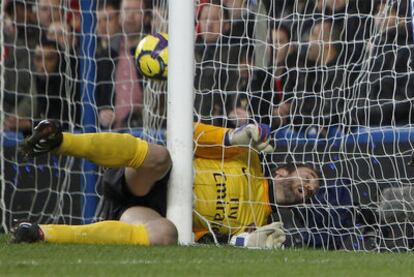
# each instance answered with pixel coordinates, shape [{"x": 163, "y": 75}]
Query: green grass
[{"x": 93, "y": 260}]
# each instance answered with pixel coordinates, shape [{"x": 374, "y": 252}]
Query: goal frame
[{"x": 180, "y": 116}]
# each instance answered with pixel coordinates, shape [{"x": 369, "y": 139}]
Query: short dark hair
[
  {"x": 292, "y": 167},
  {"x": 226, "y": 13},
  {"x": 115, "y": 4},
  {"x": 12, "y": 5},
  {"x": 147, "y": 4}
]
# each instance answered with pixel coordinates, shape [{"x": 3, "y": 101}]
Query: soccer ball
[{"x": 151, "y": 56}]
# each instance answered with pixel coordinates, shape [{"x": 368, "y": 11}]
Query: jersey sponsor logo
[{"x": 221, "y": 204}]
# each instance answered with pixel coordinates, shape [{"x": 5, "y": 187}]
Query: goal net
[
  {"x": 61, "y": 62},
  {"x": 332, "y": 79}
]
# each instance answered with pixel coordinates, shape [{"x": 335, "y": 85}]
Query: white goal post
[{"x": 180, "y": 116}]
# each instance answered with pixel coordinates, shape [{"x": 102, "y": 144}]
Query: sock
[
  {"x": 105, "y": 149},
  {"x": 104, "y": 232}
]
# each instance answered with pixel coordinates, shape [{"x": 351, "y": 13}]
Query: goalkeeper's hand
[
  {"x": 270, "y": 236},
  {"x": 253, "y": 135}
]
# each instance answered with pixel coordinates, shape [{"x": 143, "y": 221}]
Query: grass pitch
[{"x": 97, "y": 260}]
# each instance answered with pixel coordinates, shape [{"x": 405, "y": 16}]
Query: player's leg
[
  {"x": 146, "y": 163},
  {"x": 156, "y": 165},
  {"x": 161, "y": 231},
  {"x": 137, "y": 226},
  {"x": 124, "y": 203},
  {"x": 103, "y": 232}
]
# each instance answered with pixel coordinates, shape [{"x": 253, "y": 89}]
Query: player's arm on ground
[{"x": 217, "y": 142}]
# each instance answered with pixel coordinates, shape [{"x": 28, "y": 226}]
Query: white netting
[
  {"x": 40, "y": 79},
  {"x": 332, "y": 78},
  {"x": 56, "y": 61}
]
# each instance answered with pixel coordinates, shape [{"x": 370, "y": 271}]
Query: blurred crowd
[
  {"x": 325, "y": 63},
  {"x": 316, "y": 63}
]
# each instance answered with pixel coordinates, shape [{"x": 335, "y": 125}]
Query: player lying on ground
[{"x": 135, "y": 187}]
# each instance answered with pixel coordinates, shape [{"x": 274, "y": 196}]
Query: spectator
[
  {"x": 263, "y": 94},
  {"x": 62, "y": 34},
  {"x": 48, "y": 12},
  {"x": 73, "y": 16},
  {"x": 48, "y": 99},
  {"x": 384, "y": 95},
  {"x": 321, "y": 76},
  {"x": 237, "y": 103},
  {"x": 353, "y": 22},
  {"x": 216, "y": 61},
  {"x": 108, "y": 25},
  {"x": 52, "y": 101},
  {"x": 19, "y": 40},
  {"x": 386, "y": 16},
  {"x": 242, "y": 20},
  {"x": 24, "y": 19},
  {"x": 273, "y": 91},
  {"x": 119, "y": 91},
  {"x": 67, "y": 42},
  {"x": 213, "y": 23}
]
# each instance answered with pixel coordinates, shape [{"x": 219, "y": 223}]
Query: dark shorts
[{"x": 118, "y": 198}]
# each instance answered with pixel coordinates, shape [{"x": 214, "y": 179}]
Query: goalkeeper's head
[{"x": 295, "y": 183}]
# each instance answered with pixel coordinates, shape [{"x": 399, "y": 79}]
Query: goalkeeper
[{"x": 135, "y": 187}]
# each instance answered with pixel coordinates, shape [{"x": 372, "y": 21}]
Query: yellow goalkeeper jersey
[{"x": 230, "y": 190}]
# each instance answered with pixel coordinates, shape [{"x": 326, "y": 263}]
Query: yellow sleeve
[{"x": 209, "y": 142}]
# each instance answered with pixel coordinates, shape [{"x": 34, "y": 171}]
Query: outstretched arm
[{"x": 217, "y": 142}]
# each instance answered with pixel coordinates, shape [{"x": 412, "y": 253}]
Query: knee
[
  {"x": 169, "y": 234},
  {"x": 160, "y": 160},
  {"x": 162, "y": 232},
  {"x": 164, "y": 161}
]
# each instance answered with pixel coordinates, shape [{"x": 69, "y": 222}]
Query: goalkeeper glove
[
  {"x": 254, "y": 135},
  {"x": 271, "y": 236}
]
